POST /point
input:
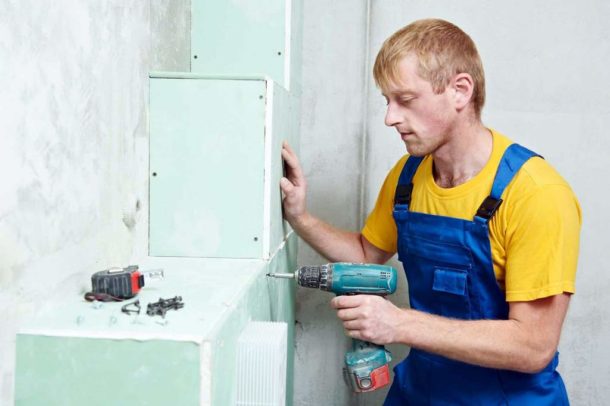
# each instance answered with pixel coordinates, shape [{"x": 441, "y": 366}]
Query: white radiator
[{"x": 261, "y": 364}]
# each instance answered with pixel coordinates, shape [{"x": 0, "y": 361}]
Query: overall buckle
[
  {"x": 403, "y": 194},
  {"x": 488, "y": 207}
]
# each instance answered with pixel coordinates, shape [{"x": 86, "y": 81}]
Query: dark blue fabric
[{"x": 450, "y": 273}]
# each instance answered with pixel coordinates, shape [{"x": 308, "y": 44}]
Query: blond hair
[{"x": 443, "y": 51}]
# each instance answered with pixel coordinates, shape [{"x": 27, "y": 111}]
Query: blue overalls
[{"x": 450, "y": 273}]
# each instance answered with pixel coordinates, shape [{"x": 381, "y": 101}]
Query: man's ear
[{"x": 463, "y": 87}]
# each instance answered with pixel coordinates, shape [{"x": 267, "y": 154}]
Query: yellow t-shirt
[{"x": 534, "y": 234}]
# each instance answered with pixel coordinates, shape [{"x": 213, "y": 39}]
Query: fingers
[
  {"x": 293, "y": 167},
  {"x": 344, "y": 302},
  {"x": 353, "y": 334},
  {"x": 352, "y": 325},
  {"x": 356, "y": 329},
  {"x": 287, "y": 146},
  {"x": 348, "y": 314},
  {"x": 288, "y": 154},
  {"x": 293, "y": 187},
  {"x": 287, "y": 186}
]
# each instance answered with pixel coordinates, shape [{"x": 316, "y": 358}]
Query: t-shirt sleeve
[
  {"x": 542, "y": 243},
  {"x": 380, "y": 228}
]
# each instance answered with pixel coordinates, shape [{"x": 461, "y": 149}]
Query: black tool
[
  {"x": 133, "y": 307},
  {"x": 163, "y": 305}
]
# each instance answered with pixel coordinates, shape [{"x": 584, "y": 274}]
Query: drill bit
[{"x": 282, "y": 275}]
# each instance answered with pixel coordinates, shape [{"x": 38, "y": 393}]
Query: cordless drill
[{"x": 366, "y": 365}]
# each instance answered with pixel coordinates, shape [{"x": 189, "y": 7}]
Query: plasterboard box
[{"x": 215, "y": 165}]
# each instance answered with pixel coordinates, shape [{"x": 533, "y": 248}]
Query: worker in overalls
[{"x": 486, "y": 229}]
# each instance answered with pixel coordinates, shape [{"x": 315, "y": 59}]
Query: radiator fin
[{"x": 261, "y": 364}]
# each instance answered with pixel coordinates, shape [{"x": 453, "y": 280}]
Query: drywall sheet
[
  {"x": 206, "y": 167},
  {"x": 92, "y": 371},
  {"x": 241, "y": 37}
]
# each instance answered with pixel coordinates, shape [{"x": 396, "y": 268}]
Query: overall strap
[
  {"x": 513, "y": 159},
  {"x": 404, "y": 188}
]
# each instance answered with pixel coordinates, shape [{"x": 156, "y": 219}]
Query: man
[{"x": 487, "y": 232}]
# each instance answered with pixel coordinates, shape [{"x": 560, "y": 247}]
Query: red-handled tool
[{"x": 117, "y": 284}]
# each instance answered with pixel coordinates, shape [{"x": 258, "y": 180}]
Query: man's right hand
[{"x": 294, "y": 187}]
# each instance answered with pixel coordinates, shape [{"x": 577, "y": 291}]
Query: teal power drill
[{"x": 366, "y": 365}]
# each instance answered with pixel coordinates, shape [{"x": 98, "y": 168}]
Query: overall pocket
[{"x": 450, "y": 292}]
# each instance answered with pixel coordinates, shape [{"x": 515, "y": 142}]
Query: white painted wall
[
  {"x": 74, "y": 143},
  {"x": 547, "y": 88}
]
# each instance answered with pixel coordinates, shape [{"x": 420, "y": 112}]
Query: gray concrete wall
[
  {"x": 73, "y": 109},
  {"x": 332, "y": 119},
  {"x": 74, "y": 143},
  {"x": 546, "y": 65}
]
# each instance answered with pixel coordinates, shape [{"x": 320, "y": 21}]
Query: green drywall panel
[
  {"x": 296, "y": 50},
  {"x": 206, "y": 167},
  {"x": 281, "y": 130},
  {"x": 283, "y": 299},
  {"x": 239, "y": 37},
  {"x": 197, "y": 344},
  {"x": 265, "y": 299},
  {"x": 86, "y": 371}
]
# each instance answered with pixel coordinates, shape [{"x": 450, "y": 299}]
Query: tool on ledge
[
  {"x": 133, "y": 307},
  {"x": 366, "y": 365},
  {"x": 118, "y": 284},
  {"x": 163, "y": 305}
]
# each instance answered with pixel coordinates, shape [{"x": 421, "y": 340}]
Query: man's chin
[{"x": 413, "y": 150}]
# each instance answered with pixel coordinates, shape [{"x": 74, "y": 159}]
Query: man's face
[{"x": 422, "y": 118}]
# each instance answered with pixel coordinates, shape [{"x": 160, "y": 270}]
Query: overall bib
[{"x": 450, "y": 273}]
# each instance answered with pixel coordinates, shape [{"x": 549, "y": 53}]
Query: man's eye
[{"x": 406, "y": 101}]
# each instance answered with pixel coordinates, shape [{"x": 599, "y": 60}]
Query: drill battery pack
[{"x": 121, "y": 283}]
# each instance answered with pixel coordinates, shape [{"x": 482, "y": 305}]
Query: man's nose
[{"x": 391, "y": 115}]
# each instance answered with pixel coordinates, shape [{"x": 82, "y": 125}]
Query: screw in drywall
[
  {"x": 279, "y": 52},
  {"x": 154, "y": 173},
  {"x": 255, "y": 238},
  {"x": 194, "y": 56},
  {"x": 260, "y": 97}
]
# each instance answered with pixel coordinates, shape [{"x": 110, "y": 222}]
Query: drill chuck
[{"x": 313, "y": 277}]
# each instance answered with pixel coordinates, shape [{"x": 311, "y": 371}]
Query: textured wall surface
[
  {"x": 334, "y": 44},
  {"x": 74, "y": 144},
  {"x": 546, "y": 88}
]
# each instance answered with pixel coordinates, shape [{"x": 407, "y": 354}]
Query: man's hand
[
  {"x": 334, "y": 244},
  {"x": 369, "y": 318},
  {"x": 294, "y": 186},
  {"x": 526, "y": 342}
]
